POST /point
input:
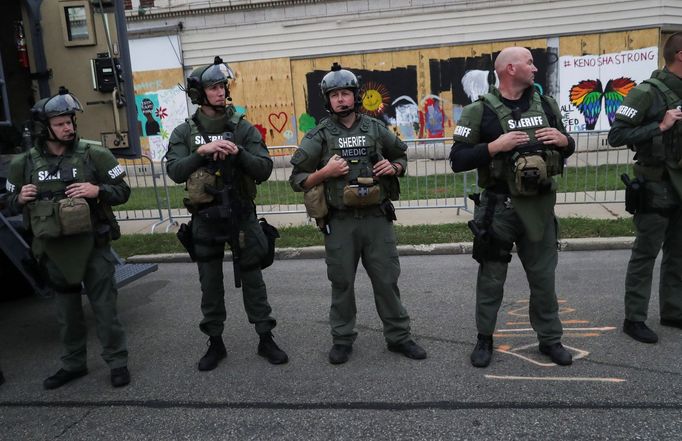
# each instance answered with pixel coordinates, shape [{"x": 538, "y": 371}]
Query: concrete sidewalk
[
  {"x": 407, "y": 216},
  {"x": 425, "y": 216}
]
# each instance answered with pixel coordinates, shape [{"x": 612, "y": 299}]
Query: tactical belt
[{"x": 359, "y": 212}]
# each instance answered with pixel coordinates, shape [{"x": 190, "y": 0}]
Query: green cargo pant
[
  {"x": 100, "y": 287},
  {"x": 653, "y": 232},
  {"x": 539, "y": 260},
  {"x": 364, "y": 234},
  {"x": 210, "y": 255}
]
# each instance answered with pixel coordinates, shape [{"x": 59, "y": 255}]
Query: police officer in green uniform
[
  {"x": 357, "y": 160},
  {"x": 649, "y": 122},
  {"x": 198, "y": 151},
  {"x": 67, "y": 188},
  {"x": 516, "y": 140}
]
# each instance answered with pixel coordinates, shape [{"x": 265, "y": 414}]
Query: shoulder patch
[
  {"x": 312, "y": 132},
  {"x": 299, "y": 157}
]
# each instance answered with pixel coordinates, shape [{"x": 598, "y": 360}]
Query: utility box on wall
[{"x": 104, "y": 71}]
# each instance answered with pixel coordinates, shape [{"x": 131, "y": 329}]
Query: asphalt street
[{"x": 615, "y": 389}]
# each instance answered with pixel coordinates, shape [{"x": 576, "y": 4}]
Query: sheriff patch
[
  {"x": 531, "y": 121},
  {"x": 9, "y": 186},
  {"x": 46, "y": 176},
  {"x": 626, "y": 111},
  {"x": 199, "y": 140},
  {"x": 462, "y": 131},
  {"x": 353, "y": 141},
  {"x": 115, "y": 172}
]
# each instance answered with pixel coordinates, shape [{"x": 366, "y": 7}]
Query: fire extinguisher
[{"x": 21, "y": 44}]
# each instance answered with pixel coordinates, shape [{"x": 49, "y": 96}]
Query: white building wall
[{"x": 242, "y": 30}]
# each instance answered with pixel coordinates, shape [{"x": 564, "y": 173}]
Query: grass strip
[{"x": 306, "y": 235}]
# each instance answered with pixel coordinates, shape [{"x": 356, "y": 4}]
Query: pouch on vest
[
  {"x": 363, "y": 194},
  {"x": 44, "y": 219},
  {"x": 74, "y": 216},
  {"x": 196, "y": 186},
  {"x": 554, "y": 162},
  {"x": 316, "y": 202},
  {"x": 530, "y": 175}
]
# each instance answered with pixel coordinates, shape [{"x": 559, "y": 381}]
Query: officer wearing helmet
[
  {"x": 66, "y": 188},
  {"x": 356, "y": 161},
  {"x": 217, "y": 150}
]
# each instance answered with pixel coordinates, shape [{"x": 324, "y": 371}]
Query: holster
[
  {"x": 487, "y": 248},
  {"x": 271, "y": 234},
  {"x": 388, "y": 210},
  {"x": 635, "y": 194},
  {"x": 184, "y": 235}
]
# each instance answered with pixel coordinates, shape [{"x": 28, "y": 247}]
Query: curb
[{"x": 317, "y": 252}]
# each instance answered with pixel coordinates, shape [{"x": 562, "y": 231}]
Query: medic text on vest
[
  {"x": 46, "y": 176},
  {"x": 353, "y": 146},
  {"x": 531, "y": 121}
]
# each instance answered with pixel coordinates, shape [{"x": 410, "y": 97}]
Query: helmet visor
[
  {"x": 216, "y": 73},
  {"x": 66, "y": 104}
]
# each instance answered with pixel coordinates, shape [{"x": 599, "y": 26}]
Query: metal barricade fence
[
  {"x": 145, "y": 202},
  {"x": 591, "y": 175}
]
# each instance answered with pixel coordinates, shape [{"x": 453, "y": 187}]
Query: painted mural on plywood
[
  {"x": 594, "y": 86},
  {"x": 467, "y": 78},
  {"x": 161, "y": 106},
  {"x": 390, "y": 96},
  {"x": 262, "y": 89}
]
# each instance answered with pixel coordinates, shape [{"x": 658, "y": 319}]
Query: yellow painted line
[
  {"x": 603, "y": 328},
  {"x": 593, "y": 379}
]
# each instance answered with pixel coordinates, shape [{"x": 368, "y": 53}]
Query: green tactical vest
[
  {"x": 500, "y": 167},
  {"x": 360, "y": 147},
  {"x": 666, "y": 148},
  {"x": 215, "y": 129},
  {"x": 69, "y": 254},
  {"x": 54, "y": 185}
]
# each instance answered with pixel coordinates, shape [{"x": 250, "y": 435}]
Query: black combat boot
[
  {"x": 62, "y": 377},
  {"x": 120, "y": 377},
  {"x": 639, "y": 331},
  {"x": 409, "y": 349},
  {"x": 483, "y": 351},
  {"x": 268, "y": 348},
  {"x": 557, "y": 353},
  {"x": 339, "y": 353},
  {"x": 671, "y": 322},
  {"x": 216, "y": 352}
]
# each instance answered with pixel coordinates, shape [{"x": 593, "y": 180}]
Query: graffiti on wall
[
  {"x": 585, "y": 103},
  {"x": 389, "y": 96},
  {"x": 161, "y": 106},
  {"x": 467, "y": 78}
]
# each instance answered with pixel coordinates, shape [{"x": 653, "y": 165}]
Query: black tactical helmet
[
  {"x": 64, "y": 103},
  {"x": 207, "y": 76},
  {"x": 339, "y": 78}
]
